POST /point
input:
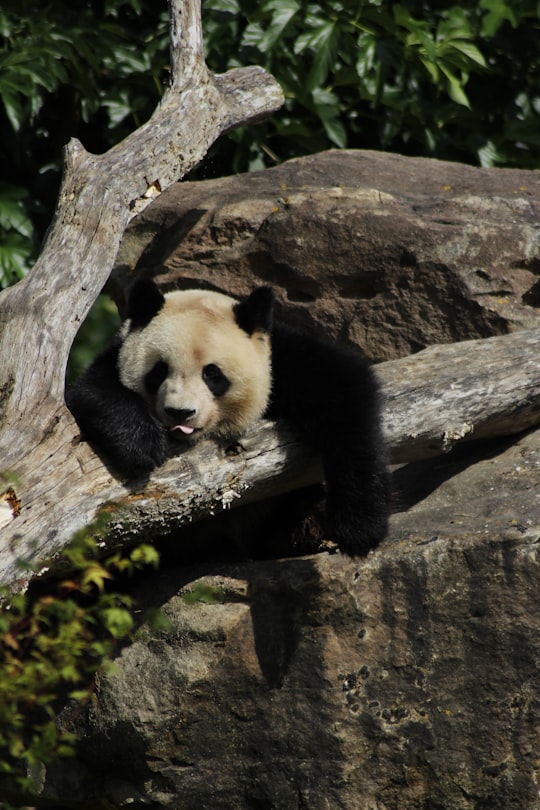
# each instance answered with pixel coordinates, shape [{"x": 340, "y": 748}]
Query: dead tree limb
[
  {"x": 444, "y": 395},
  {"x": 40, "y": 316},
  {"x": 458, "y": 392}
]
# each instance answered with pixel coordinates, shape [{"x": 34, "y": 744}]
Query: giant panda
[{"x": 196, "y": 363}]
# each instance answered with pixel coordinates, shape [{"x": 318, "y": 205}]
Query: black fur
[
  {"x": 216, "y": 380},
  {"x": 155, "y": 377},
  {"x": 115, "y": 419},
  {"x": 325, "y": 390},
  {"x": 329, "y": 393},
  {"x": 145, "y": 301},
  {"x": 255, "y": 314}
]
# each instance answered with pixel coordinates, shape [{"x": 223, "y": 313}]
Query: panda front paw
[
  {"x": 357, "y": 527},
  {"x": 358, "y": 536}
]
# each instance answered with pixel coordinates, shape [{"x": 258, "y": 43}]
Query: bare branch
[
  {"x": 435, "y": 399},
  {"x": 458, "y": 392},
  {"x": 187, "y": 58},
  {"x": 41, "y": 315}
]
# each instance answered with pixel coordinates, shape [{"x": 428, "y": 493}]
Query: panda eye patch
[
  {"x": 156, "y": 375},
  {"x": 215, "y": 379}
]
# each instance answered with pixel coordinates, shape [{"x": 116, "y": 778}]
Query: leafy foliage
[
  {"x": 460, "y": 82},
  {"x": 90, "y": 70},
  {"x": 422, "y": 78},
  {"x": 52, "y": 644}
]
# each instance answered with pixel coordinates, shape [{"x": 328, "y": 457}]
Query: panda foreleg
[
  {"x": 329, "y": 393},
  {"x": 116, "y": 420},
  {"x": 357, "y": 502}
]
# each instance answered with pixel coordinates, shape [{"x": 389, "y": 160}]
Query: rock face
[
  {"x": 406, "y": 681},
  {"x": 393, "y": 253}
]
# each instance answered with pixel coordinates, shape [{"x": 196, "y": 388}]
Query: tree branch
[
  {"x": 41, "y": 315},
  {"x": 435, "y": 399},
  {"x": 459, "y": 392}
]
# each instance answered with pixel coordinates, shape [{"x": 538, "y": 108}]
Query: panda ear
[
  {"x": 145, "y": 301},
  {"x": 255, "y": 314}
]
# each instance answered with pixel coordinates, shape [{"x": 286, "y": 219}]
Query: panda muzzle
[{"x": 181, "y": 417}]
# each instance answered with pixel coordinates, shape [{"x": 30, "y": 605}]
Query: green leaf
[
  {"x": 282, "y": 11},
  {"x": 223, "y": 6},
  {"x": 498, "y": 12},
  {"x": 470, "y": 51},
  {"x": 325, "y": 44},
  {"x": 488, "y": 155},
  {"x": 95, "y": 575},
  {"x": 145, "y": 555},
  {"x": 12, "y": 102},
  {"x": 455, "y": 89},
  {"x": 12, "y": 210},
  {"x": 326, "y": 105},
  {"x": 118, "y": 622},
  {"x": 431, "y": 68},
  {"x": 15, "y": 252}
]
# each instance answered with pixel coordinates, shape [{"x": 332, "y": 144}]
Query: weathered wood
[
  {"x": 450, "y": 393},
  {"x": 433, "y": 400}
]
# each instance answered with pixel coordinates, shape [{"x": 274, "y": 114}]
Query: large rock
[
  {"x": 392, "y": 253},
  {"x": 405, "y": 681}
]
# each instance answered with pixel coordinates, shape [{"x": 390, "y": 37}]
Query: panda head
[{"x": 201, "y": 360}]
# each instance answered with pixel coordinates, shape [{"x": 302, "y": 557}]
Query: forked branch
[{"x": 41, "y": 315}]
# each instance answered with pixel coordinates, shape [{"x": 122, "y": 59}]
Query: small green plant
[
  {"x": 201, "y": 592},
  {"x": 53, "y": 641}
]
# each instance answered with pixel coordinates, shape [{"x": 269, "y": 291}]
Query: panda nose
[{"x": 180, "y": 415}]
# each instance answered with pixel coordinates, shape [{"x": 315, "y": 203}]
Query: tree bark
[
  {"x": 433, "y": 400},
  {"x": 53, "y": 485},
  {"x": 458, "y": 392}
]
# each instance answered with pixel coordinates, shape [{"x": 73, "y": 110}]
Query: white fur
[{"x": 193, "y": 329}]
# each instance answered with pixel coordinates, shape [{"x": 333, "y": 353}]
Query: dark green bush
[
  {"x": 67, "y": 68},
  {"x": 452, "y": 81}
]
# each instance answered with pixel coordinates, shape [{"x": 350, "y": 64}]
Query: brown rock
[
  {"x": 393, "y": 253},
  {"x": 405, "y": 681}
]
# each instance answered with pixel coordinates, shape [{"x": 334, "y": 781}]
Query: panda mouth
[{"x": 186, "y": 430}]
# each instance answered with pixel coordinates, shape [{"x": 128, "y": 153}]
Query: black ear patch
[
  {"x": 145, "y": 301},
  {"x": 256, "y": 313}
]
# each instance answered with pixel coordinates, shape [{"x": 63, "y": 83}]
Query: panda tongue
[{"x": 187, "y": 429}]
